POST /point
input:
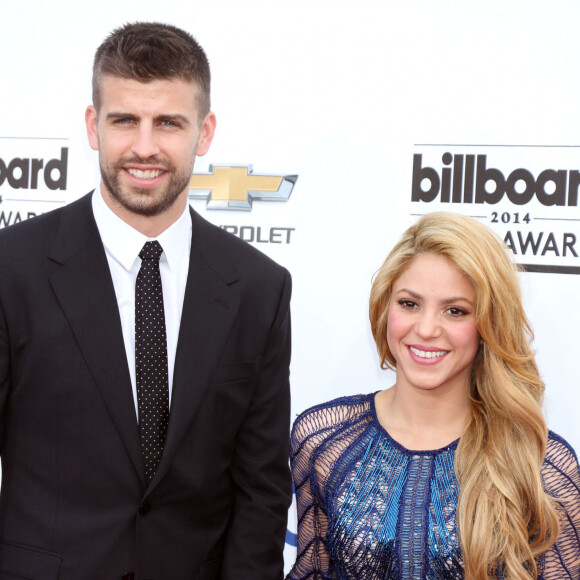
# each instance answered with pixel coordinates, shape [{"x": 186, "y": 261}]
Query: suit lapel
[
  {"x": 209, "y": 309},
  {"x": 84, "y": 288}
]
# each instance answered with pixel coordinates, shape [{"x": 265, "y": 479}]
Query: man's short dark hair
[{"x": 146, "y": 51}]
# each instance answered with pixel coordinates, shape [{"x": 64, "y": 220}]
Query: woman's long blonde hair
[{"x": 505, "y": 518}]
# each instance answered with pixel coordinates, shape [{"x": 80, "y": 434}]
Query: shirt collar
[{"x": 123, "y": 242}]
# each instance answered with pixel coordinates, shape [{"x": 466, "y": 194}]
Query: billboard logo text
[
  {"x": 468, "y": 179},
  {"x": 22, "y": 173}
]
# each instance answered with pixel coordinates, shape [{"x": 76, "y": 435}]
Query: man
[{"x": 144, "y": 354}]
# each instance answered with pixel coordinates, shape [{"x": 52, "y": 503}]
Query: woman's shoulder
[
  {"x": 558, "y": 448},
  {"x": 328, "y": 417},
  {"x": 560, "y": 469},
  {"x": 336, "y": 411}
]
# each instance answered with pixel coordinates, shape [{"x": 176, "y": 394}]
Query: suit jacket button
[
  {"x": 128, "y": 576},
  {"x": 144, "y": 509}
]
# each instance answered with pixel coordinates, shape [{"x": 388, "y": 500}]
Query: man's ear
[
  {"x": 206, "y": 134},
  {"x": 91, "y": 123}
]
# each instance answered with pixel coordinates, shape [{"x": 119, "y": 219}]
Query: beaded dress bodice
[{"x": 369, "y": 509}]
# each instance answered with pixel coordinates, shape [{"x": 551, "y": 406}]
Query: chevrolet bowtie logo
[{"x": 236, "y": 187}]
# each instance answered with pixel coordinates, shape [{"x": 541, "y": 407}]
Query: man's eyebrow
[
  {"x": 114, "y": 116},
  {"x": 177, "y": 117}
]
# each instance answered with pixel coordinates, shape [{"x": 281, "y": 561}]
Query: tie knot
[{"x": 151, "y": 251}]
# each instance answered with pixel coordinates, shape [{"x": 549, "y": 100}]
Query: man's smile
[{"x": 144, "y": 173}]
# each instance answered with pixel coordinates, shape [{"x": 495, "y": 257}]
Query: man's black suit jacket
[{"x": 74, "y": 504}]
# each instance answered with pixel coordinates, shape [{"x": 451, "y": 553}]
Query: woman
[{"x": 451, "y": 473}]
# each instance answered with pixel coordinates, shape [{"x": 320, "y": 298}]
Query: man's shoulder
[
  {"x": 24, "y": 243},
  {"x": 41, "y": 226}
]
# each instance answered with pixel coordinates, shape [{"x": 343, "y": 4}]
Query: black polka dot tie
[{"x": 151, "y": 358}]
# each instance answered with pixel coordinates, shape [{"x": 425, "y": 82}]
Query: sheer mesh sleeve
[
  {"x": 313, "y": 452},
  {"x": 342, "y": 462},
  {"x": 562, "y": 481}
]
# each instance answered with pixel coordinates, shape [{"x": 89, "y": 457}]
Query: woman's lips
[{"x": 427, "y": 355}]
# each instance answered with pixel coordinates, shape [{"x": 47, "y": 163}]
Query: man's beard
[{"x": 144, "y": 201}]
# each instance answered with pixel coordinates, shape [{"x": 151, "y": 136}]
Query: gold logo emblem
[{"x": 227, "y": 187}]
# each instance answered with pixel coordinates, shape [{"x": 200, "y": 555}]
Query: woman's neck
[{"x": 422, "y": 420}]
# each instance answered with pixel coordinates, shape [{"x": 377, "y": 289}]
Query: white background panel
[{"x": 341, "y": 93}]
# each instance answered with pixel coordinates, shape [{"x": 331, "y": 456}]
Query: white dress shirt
[{"x": 122, "y": 246}]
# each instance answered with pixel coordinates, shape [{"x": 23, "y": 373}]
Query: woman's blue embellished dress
[{"x": 369, "y": 509}]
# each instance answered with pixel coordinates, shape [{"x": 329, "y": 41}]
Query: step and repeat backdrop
[{"x": 340, "y": 122}]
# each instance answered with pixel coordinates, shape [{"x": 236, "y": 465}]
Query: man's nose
[{"x": 145, "y": 144}]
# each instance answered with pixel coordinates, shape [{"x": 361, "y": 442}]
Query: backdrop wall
[{"x": 384, "y": 110}]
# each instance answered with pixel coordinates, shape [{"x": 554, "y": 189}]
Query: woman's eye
[
  {"x": 454, "y": 311},
  {"x": 409, "y": 304}
]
